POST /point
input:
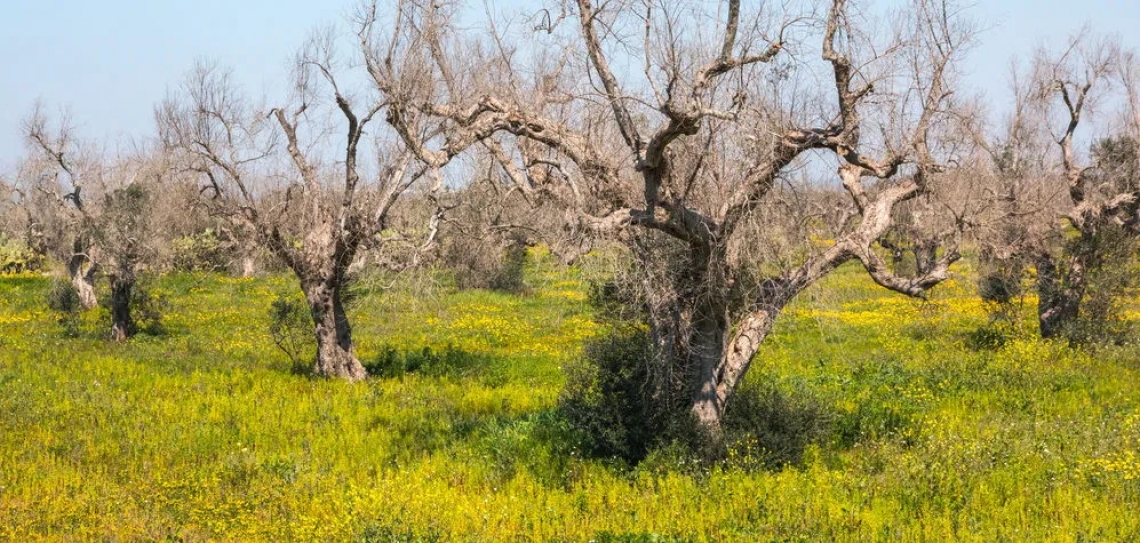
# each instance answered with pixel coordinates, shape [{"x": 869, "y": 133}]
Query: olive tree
[
  {"x": 94, "y": 212},
  {"x": 652, "y": 125},
  {"x": 1072, "y": 215},
  {"x": 60, "y": 177},
  {"x": 276, "y": 173}
]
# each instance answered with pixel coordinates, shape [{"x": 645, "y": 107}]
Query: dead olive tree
[
  {"x": 1075, "y": 215},
  {"x": 56, "y": 175},
  {"x": 130, "y": 236},
  {"x": 695, "y": 139},
  {"x": 274, "y": 173},
  {"x": 93, "y": 212}
]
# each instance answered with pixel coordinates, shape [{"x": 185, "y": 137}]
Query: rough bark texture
[
  {"x": 724, "y": 360},
  {"x": 82, "y": 278},
  {"x": 709, "y": 313},
  {"x": 710, "y": 330},
  {"x": 1059, "y": 296},
  {"x": 122, "y": 325},
  {"x": 336, "y": 356}
]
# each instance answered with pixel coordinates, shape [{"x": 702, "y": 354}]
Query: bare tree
[
  {"x": 128, "y": 234},
  {"x": 59, "y": 172},
  {"x": 91, "y": 211},
  {"x": 698, "y": 150},
  {"x": 1096, "y": 195},
  {"x": 266, "y": 171}
]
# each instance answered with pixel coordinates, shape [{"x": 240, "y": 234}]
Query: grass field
[{"x": 940, "y": 431}]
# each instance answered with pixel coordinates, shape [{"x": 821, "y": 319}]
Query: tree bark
[
  {"x": 83, "y": 280},
  {"x": 719, "y": 383},
  {"x": 336, "y": 356},
  {"x": 247, "y": 266},
  {"x": 1058, "y": 296},
  {"x": 706, "y": 351},
  {"x": 122, "y": 325}
]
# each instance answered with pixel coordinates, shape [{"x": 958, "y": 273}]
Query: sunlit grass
[{"x": 204, "y": 433}]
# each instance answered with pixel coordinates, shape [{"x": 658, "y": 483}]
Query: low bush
[
  {"x": 766, "y": 427},
  {"x": 291, "y": 327},
  {"x": 609, "y": 400},
  {"x": 16, "y": 257},
  {"x": 148, "y": 307},
  {"x": 202, "y": 251},
  {"x": 447, "y": 362},
  {"x": 490, "y": 263},
  {"x": 63, "y": 300}
]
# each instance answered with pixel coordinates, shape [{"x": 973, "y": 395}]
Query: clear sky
[{"x": 110, "y": 61}]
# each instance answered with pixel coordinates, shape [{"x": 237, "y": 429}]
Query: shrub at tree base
[
  {"x": 63, "y": 300},
  {"x": 291, "y": 326},
  {"x": 608, "y": 400}
]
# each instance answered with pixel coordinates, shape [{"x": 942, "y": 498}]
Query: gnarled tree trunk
[
  {"x": 720, "y": 376},
  {"x": 82, "y": 275},
  {"x": 336, "y": 356},
  {"x": 1058, "y": 296},
  {"x": 122, "y": 325},
  {"x": 706, "y": 351}
]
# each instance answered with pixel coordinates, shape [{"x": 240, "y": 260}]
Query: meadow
[{"x": 941, "y": 426}]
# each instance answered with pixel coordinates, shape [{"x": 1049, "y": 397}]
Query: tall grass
[{"x": 203, "y": 433}]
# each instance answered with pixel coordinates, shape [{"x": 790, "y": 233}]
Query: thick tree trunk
[
  {"x": 122, "y": 325},
  {"x": 247, "y": 266},
  {"x": 706, "y": 351},
  {"x": 720, "y": 350},
  {"x": 717, "y": 386},
  {"x": 1058, "y": 297},
  {"x": 335, "y": 354},
  {"x": 83, "y": 280},
  {"x": 925, "y": 257}
]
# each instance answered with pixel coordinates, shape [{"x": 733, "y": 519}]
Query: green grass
[{"x": 204, "y": 433}]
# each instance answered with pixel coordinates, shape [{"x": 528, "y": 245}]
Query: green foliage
[
  {"x": 448, "y": 362},
  {"x": 291, "y": 327},
  {"x": 63, "y": 300},
  {"x": 767, "y": 427},
  {"x": 1000, "y": 285},
  {"x": 202, "y": 251},
  {"x": 991, "y": 336},
  {"x": 510, "y": 277},
  {"x": 607, "y": 399},
  {"x": 148, "y": 308},
  {"x": 1110, "y": 255},
  {"x": 16, "y": 257}
]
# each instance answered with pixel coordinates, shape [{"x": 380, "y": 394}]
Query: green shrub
[
  {"x": 766, "y": 427},
  {"x": 148, "y": 307},
  {"x": 63, "y": 300},
  {"x": 203, "y": 251},
  {"x": 510, "y": 273},
  {"x": 291, "y": 326},
  {"x": 16, "y": 257},
  {"x": 987, "y": 337},
  {"x": 449, "y": 362},
  {"x": 608, "y": 399}
]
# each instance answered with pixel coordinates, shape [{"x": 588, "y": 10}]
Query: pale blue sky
[{"x": 110, "y": 61}]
